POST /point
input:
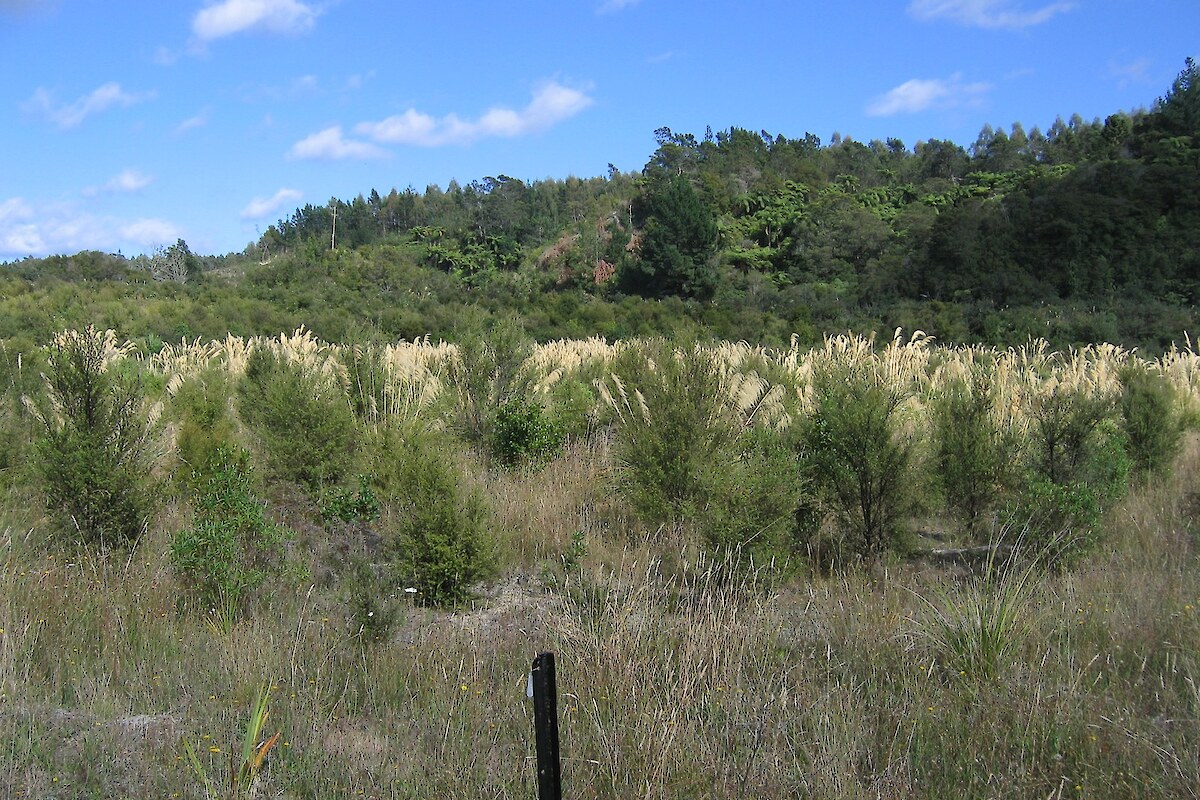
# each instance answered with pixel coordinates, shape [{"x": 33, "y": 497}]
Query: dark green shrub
[
  {"x": 307, "y": 427},
  {"x": 972, "y": 456},
  {"x": 523, "y": 433},
  {"x": 1065, "y": 433},
  {"x": 348, "y": 505},
  {"x": 859, "y": 460},
  {"x": 205, "y": 424},
  {"x": 1150, "y": 419},
  {"x": 92, "y": 455},
  {"x": 674, "y": 426},
  {"x": 436, "y": 528},
  {"x": 753, "y": 492},
  {"x": 231, "y": 547},
  {"x": 486, "y": 373},
  {"x": 1078, "y": 468}
]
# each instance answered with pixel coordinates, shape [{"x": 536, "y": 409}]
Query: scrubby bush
[
  {"x": 231, "y": 547},
  {"x": 435, "y": 526},
  {"x": 93, "y": 452},
  {"x": 753, "y": 493},
  {"x": 486, "y": 373},
  {"x": 306, "y": 425},
  {"x": 1150, "y": 419},
  {"x": 860, "y": 460},
  {"x": 524, "y": 433},
  {"x": 674, "y": 427},
  {"x": 205, "y": 424},
  {"x": 972, "y": 455},
  {"x": 687, "y": 452},
  {"x": 1078, "y": 466}
]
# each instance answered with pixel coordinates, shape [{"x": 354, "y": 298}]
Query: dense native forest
[{"x": 1085, "y": 231}]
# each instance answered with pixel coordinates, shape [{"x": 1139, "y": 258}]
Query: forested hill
[{"x": 1087, "y": 231}]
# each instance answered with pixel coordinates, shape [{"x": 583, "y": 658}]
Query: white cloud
[
  {"x": 234, "y": 16},
  {"x": 329, "y": 145},
  {"x": 191, "y": 123},
  {"x": 126, "y": 181},
  {"x": 919, "y": 95},
  {"x": 610, "y": 6},
  {"x": 150, "y": 233},
  {"x": 550, "y": 105},
  {"x": 261, "y": 207},
  {"x": 28, "y": 230},
  {"x": 987, "y": 13},
  {"x": 1136, "y": 72},
  {"x": 70, "y": 115}
]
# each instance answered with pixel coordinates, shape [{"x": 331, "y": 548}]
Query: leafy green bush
[
  {"x": 306, "y": 426},
  {"x": 674, "y": 427},
  {"x": 972, "y": 456},
  {"x": 486, "y": 373},
  {"x": 436, "y": 528},
  {"x": 859, "y": 459},
  {"x": 205, "y": 424},
  {"x": 1078, "y": 467},
  {"x": 93, "y": 452},
  {"x": 1151, "y": 420},
  {"x": 352, "y": 506},
  {"x": 523, "y": 433},
  {"x": 231, "y": 548},
  {"x": 753, "y": 493}
]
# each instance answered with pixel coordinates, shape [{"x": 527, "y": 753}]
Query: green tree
[{"x": 678, "y": 243}]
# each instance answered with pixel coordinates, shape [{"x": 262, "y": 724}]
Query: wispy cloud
[
  {"x": 551, "y": 104},
  {"x": 191, "y": 123},
  {"x": 124, "y": 182},
  {"x": 261, "y": 207},
  {"x": 988, "y": 13},
  {"x": 917, "y": 95},
  {"x": 331, "y": 145},
  {"x": 28, "y": 230},
  {"x": 609, "y": 6},
  {"x": 70, "y": 115},
  {"x": 1131, "y": 74},
  {"x": 228, "y": 17},
  {"x": 150, "y": 232}
]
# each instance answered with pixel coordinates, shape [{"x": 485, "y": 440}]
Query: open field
[{"x": 685, "y": 669}]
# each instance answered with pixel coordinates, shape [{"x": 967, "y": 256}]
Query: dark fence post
[{"x": 545, "y": 720}]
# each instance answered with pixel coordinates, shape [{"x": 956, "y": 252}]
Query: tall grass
[{"x": 681, "y": 674}]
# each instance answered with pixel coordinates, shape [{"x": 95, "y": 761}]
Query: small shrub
[
  {"x": 1151, "y": 420},
  {"x": 1078, "y": 467},
  {"x": 231, "y": 548},
  {"x": 307, "y": 428},
  {"x": 205, "y": 424},
  {"x": 753, "y": 494},
  {"x": 352, "y": 506},
  {"x": 674, "y": 427},
  {"x": 436, "y": 528},
  {"x": 859, "y": 460},
  {"x": 487, "y": 372},
  {"x": 523, "y": 433},
  {"x": 973, "y": 457},
  {"x": 93, "y": 453}
]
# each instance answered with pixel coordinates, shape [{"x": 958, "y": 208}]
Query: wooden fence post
[{"x": 544, "y": 690}]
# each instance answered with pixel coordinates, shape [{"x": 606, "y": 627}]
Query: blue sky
[{"x": 126, "y": 125}]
